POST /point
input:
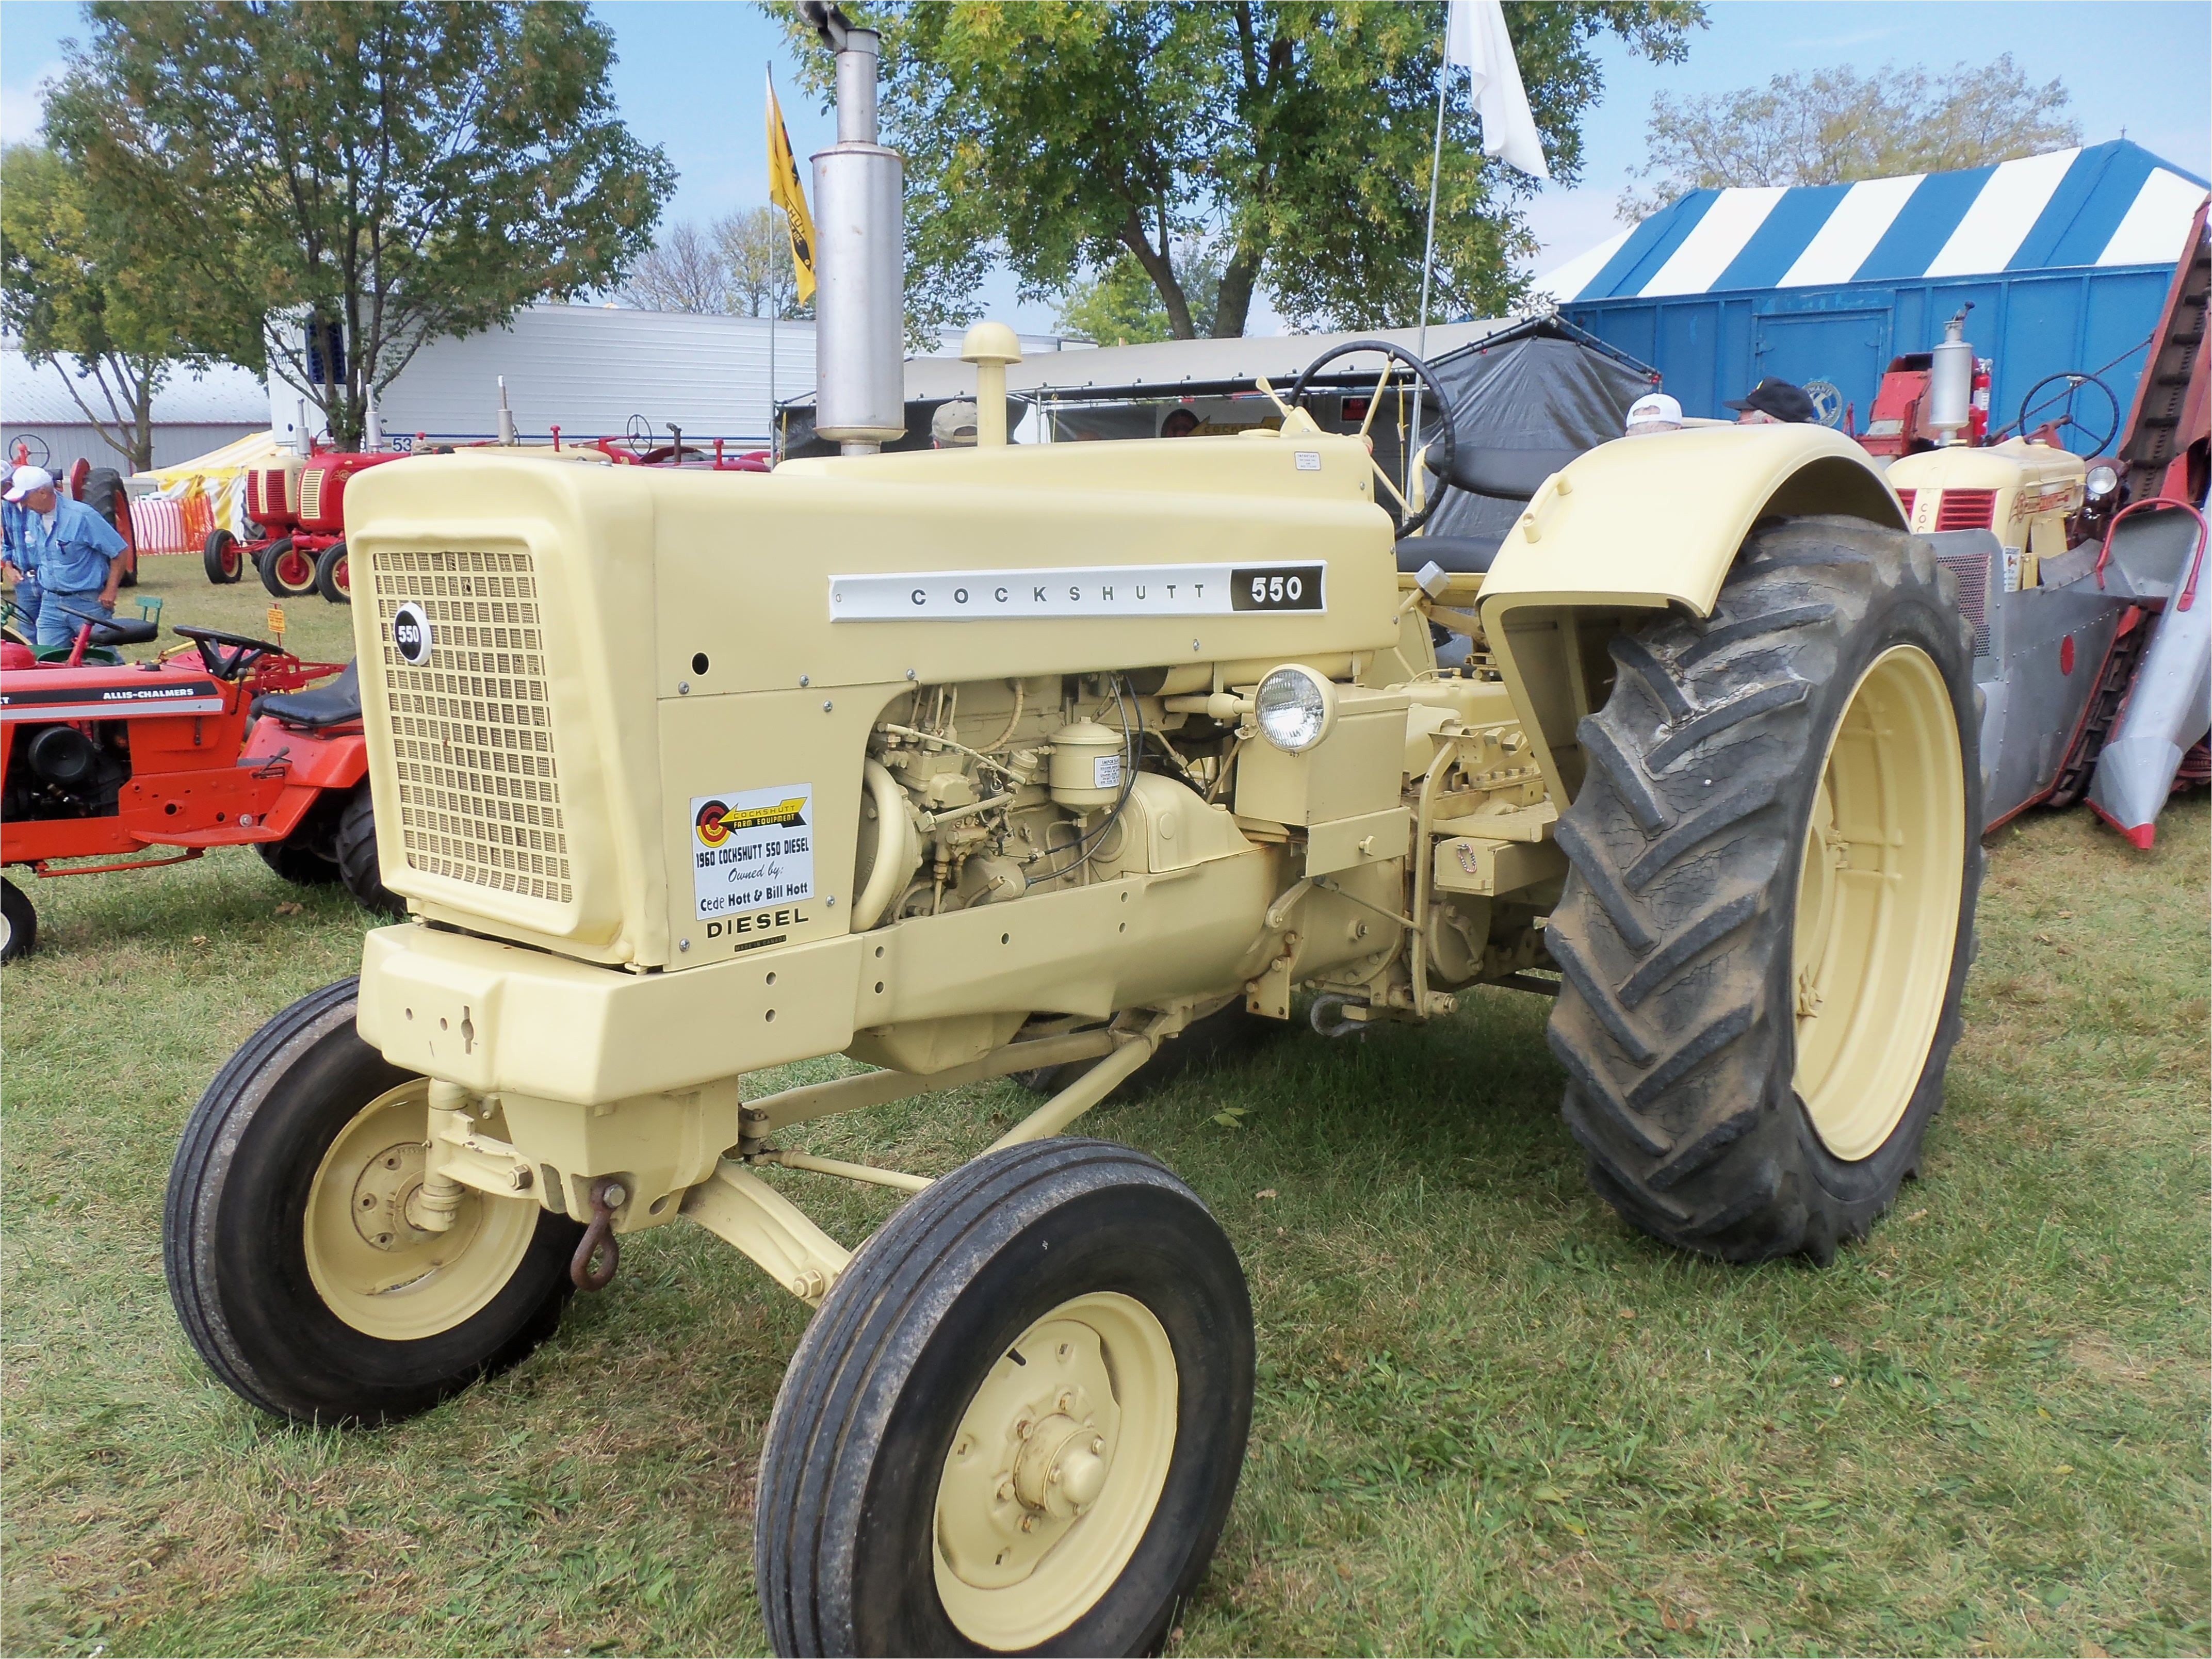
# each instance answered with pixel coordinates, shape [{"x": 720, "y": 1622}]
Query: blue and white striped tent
[{"x": 2064, "y": 254}]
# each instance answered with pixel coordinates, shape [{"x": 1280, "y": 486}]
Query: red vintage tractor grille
[
  {"x": 1972, "y": 571},
  {"x": 1966, "y": 509},
  {"x": 472, "y": 727},
  {"x": 1905, "y": 500},
  {"x": 264, "y": 493}
]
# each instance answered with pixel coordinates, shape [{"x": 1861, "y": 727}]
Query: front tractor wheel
[
  {"x": 19, "y": 922},
  {"x": 1017, "y": 1423},
  {"x": 1769, "y": 916},
  {"x": 287, "y": 570},
  {"x": 333, "y": 575},
  {"x": 290, "y": 1243},
  {"x": 222, "y": 559}
]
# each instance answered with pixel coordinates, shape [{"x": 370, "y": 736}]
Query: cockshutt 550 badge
[
  {"x": 752, "y": 847},
  {"x": 410, "y": 634}
]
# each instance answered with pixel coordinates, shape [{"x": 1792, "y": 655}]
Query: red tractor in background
[
  {"x": 299, "y": 508},
  {"x": 140, "y": 764},
  {"x": 100, "y": 488}
]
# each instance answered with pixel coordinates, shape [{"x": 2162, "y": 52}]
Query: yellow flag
[{"x": 786, "y": 192}]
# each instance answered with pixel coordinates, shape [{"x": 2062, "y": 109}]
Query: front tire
[
  {"x": 289, "y": 1256},
  {"x": 1769, "y": 914},
  {"x": 19, "y": 922},
  {"x": 333, "y": 576},
  {"x": 1017, "y": 1421},
  {"x": 221, "y": 558},
  {"x": 286, "y": 571}
]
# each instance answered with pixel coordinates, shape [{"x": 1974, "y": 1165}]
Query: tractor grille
[
  {"x": 1905, "y": 500},
  {"x": 472, "y": 727},
  {"x": 1972, "y": 570},
  {"x": 264, "y": 493},
  {"x": 1966, "y": 509},
  {"x": 311, "y": 492}
]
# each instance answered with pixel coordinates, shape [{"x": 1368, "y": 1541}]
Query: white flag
[{"x": 1475, "y": 35}]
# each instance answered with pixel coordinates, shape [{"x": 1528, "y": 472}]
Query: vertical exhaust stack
[
  {"x": 1951, "y": 382},
  {"x": 860, "y": 299}
]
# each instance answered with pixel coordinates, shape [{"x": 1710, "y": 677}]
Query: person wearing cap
[
  {"x": 1180, "y": 424},
  {"x": 1774, "y": 403},
  {"x": 953, "y": 426},
  {"x": 77, "y": 554},
  {"x": 18, "y": 563},
  {"x": 1654, "y": 411}
]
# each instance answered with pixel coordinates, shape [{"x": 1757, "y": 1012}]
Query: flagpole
[
  {"x": 775, "y": 307},
  {"x": 1429, "y": 248}
]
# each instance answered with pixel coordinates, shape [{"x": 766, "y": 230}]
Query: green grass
[{"x": 1490, "y": 1418}]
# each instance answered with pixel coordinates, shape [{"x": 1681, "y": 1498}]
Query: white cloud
[{"x": 22, "y": 107}]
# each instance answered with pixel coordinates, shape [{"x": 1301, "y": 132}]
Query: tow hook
[
  {"x": 1326, "y": 1017},
  {"x": 598, "y": 1239}
]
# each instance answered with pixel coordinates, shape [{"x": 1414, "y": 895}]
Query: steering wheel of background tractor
[
  {"x": 228, "y": 656},
  {"x": 30, "y": 450},
  {"x": 1446, "y": 447},
  {"x": 637, "y": 433},
  {"x": 2056, "y": 409}
]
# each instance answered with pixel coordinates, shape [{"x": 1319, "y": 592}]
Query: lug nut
[{"x": 519, "y": 1178}]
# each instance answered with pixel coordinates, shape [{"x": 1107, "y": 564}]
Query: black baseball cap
[{"x": 1780, "y": 400}]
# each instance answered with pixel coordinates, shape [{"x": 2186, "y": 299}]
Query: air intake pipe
[{"x": 860, "y": 299}]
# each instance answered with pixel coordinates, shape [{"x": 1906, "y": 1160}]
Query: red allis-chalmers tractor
[
  {"x": 299, "y": 507},
  {"x": 146, "y": 763}
]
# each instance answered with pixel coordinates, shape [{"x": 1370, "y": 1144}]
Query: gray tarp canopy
[{"x": 1541, "y": 384}]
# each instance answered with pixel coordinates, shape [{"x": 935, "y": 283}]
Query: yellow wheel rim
[
  {"x": 1878, "y": 891},
  {"x": 372, "y": 1266},
  {"x": 1054, "y": 1471}
]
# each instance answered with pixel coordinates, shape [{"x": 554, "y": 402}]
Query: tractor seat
[
  {"x": 111, "y": 631},
  {"x": 338, "y": 703},
  {"x": 1461, "y": 556}
]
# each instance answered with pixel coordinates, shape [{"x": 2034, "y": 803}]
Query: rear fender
[{"x": 1642, "y": 525}]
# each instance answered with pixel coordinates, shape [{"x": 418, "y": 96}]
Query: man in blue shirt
[
  {"x": 16, "y": 561},
  {"x": 77, "y": 554}
]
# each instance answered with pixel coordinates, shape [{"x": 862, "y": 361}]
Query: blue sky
[{"x": 691, "y": 74}]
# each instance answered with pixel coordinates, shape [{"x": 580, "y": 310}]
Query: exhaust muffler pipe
[{"x": 859, "y": 297}]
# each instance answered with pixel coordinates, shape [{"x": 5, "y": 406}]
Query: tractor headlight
[
  {"x": 1295, "y": 707},
  {"x": 2101, "y": 482}
]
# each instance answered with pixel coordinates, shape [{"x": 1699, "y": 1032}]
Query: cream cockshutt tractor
[{"x": 1026, "y": 760}]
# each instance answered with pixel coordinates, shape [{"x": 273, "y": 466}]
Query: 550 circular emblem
[{"x": 410, "y": 634}]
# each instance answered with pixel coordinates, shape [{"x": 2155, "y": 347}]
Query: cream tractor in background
[{"x": 1032, "y": 760}]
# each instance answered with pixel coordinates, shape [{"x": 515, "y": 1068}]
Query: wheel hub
[{"x": 381, "y": 1197}]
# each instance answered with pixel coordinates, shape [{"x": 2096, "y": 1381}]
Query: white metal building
[
  {"x": 193, "y": 413},
  {"x": 590, "y": 369}
]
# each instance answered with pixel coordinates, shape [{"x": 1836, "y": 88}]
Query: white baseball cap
[
  {"x": 26, "y": 479},
  {"x": 1654, "y": 410}
]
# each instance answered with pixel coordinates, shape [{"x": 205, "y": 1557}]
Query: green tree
[
  {"x": 71, "y": 292},
  {"x": 1831, "y": 126},
  {"x": 1119, "y": 306},
  {"x": 361, "y": 177},
  {"x": 1062, "y": 137}
]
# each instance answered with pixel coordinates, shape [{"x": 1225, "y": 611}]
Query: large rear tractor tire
[
  {"x": 1017, "y": 1423},
  {"x": 1769, "y": 914},
  {"x": 356, "y": 856},
  {"x": 19, "y": 922},
  {"x": 291, "y": 1254}
]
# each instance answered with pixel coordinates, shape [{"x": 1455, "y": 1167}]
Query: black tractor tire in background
[
  {"x": 332, "y": 575},
  {"x": 235, "y": 1223},
  {"x": 222, "y": 559},
  {"x": 106, "y": 494},
  {"x": 355, "y": 851},
  {"x": 279, "y": 553},
  {"x": 1677, "y": 1022},
  {"x": 19, "y": 922},
  {"x": 853, "y": 1472}
]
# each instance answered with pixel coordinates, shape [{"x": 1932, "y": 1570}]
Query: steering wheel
[
  {"x": 637, "y": 433},
  {"x": 228, "y": 656},
  {"x": 23, "y": 446},
  {"x": 1447, "y": 447},
  {"x": 2063, "y": 402}
]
